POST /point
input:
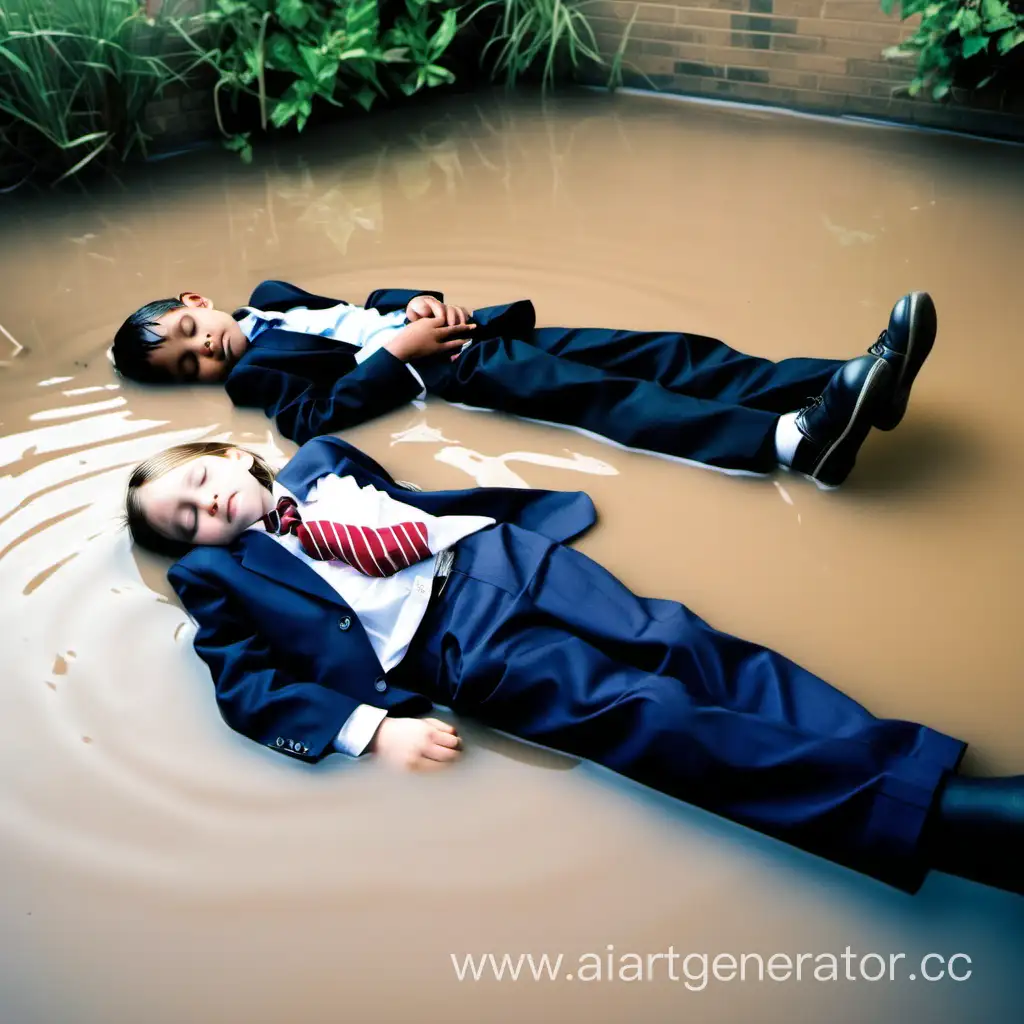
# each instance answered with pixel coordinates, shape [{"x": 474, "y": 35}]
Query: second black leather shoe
[
  {"x": 905, "y": 344},
  {"x": 834, "y": 425}
]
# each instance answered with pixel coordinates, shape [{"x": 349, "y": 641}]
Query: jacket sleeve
[
  {"x": 257, "y": 698},
  {"x": 389, "y": 300},
  {"x": 304, "y": 410}
]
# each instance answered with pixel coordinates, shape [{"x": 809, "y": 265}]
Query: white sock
[{"x": 787, "y": 438}]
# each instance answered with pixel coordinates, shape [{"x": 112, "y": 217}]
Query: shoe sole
[
  {"x": 856, "y": 429},
  {"x": 923, "y": 326}
]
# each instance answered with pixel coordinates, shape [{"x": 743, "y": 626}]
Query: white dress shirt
[
  {"x": 390, "y": 608},
  {"x": 366, "y": 328}
]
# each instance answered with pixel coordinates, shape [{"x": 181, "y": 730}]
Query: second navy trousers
[{"x": 680, "y": 394}]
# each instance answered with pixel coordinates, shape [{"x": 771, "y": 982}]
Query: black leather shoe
[
  {"x": 905, "y": 345},
  {"x": 835, "y": 424}
]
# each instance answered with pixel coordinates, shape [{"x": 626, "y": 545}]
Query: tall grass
[
  {"x": 75, "y": 78},
  {"x": 552, "y": 39}
]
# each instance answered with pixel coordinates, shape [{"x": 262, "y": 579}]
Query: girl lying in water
[{"x": 334, "y": 607}]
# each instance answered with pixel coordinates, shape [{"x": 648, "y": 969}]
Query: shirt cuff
[
  {"x": 419, "y": 379},
  {"x": 358, "y": 730}
]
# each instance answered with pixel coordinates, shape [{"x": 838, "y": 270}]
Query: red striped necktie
[{"x": 373, "y": 552}]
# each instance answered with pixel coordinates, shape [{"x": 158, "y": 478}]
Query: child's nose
[{"x": 211, "y": 506}]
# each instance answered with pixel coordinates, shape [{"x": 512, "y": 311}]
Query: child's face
[
  {"x": 210, "y": 500},
  {"x": 200, "y": 343}
]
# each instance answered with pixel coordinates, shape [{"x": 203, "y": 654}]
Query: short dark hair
[
  {"x": 136, "y": 340},
  {"x": 139, "y": 527}
]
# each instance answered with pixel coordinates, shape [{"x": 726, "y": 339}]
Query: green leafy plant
[
  {"x": 554, "y": 35},
  {"x": 291, "y": 56},
  {"x": 969, "y": 43},
  {"x": 75, "y": 79}
]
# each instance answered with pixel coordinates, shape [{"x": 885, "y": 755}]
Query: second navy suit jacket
[
  {"x": 312, "y": 385},
  {"x": 289, "y": 659}
]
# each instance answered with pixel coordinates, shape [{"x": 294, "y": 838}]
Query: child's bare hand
[
  {"x": 428, "y": 306},
  {"x": 416, "y": 743},
  {"x": 426, "y": 337}
]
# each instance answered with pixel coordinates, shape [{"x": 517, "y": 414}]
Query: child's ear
[
  {"x": 247, "y": 459},
  {"x": 195, "y": 300}
]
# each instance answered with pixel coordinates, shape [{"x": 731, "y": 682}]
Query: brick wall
[{"x": 815, "y": 55}]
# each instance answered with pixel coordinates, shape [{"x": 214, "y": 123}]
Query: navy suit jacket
[
  {"x": 312, "y": 385},
  {"x": 290, "y": 661}
]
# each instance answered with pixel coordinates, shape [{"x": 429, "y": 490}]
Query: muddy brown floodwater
[{"x": 159, "y": 868}]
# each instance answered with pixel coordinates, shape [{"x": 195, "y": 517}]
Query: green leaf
[
  {"x": 940, "y": 90},
  {"x": 282, "y": 52},
  {"x": 974, "y": 45},
  {"x": 1008, "y": 40},
  {"x": 292, "y": 13},
  {"x": 312, "y": 59},
  {"x": 283, "y": 112},
  {"x": 967, "y": 19},
  {"x": 364, "y": 97}
]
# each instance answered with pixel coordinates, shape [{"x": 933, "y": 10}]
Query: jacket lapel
[
  {"x": 264, "y": 555},
  {"x": 297, "y": 341}
]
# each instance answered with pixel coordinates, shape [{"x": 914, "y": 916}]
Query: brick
[
  {"x": 164, "y": 107},
  {"x": 657, "y": 66},
  {"x": 889, "y": 70},
  {"x": 852, "y": 48},
  {"x": 820, "y": 63},
  {"x": 689, "y": 67},
  {"x": 658, "y": 48},
  {"x": 703, "y": 19},
  {"x": 800, "y": 8},
  {"x": 857, "y": 10},
  {"x": 887, "y": 32},
  {"x": 729, "y": 56},
  {"x": 796, "y": 79},
  {"x": 752, "y": 40},
  {"x": 760, "y": 23},
  {"x": 858, "y": 86},
  {"x": 715, "y": 5},
  {"x": 782, "y": 60},
  {"x": 746, "y": 75},
  {"x": 649, "y": 13},
  {"x": 690, "y": 35},
  {"x": 690, "y": 51},
  {"x": 691, "y": 84},
  {"x": 796, "y": 44},
  {"x": 639, "y": 80},
  {"x": 761, "y": 6}
]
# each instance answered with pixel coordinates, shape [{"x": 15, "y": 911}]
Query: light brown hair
[{"x": 142, "y": 532}]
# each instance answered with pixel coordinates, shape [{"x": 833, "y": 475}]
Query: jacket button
[
  {"x": 344, "y": 623},
  {"x": 380, "y": 686}
]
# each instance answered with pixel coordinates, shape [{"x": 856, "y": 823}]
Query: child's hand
[
  {"x": 428, "y": 306},
  {"x": 427, "y": 337},
  {"x": 415, "y": 743}
]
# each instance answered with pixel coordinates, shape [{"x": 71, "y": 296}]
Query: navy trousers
[
  {"x": 538, "y": 640},
  {"x": 679, "y": 394}
]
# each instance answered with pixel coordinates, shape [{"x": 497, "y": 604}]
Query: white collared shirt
[
  {"x": 366, "y": 328},
  {"x": 390, "y": 608}
]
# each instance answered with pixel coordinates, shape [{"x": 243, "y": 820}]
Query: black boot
[
  {"x": 905, "y": 345},
  {"x": 834, "y": 425},
  {"x": 977, "y": 831}
]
